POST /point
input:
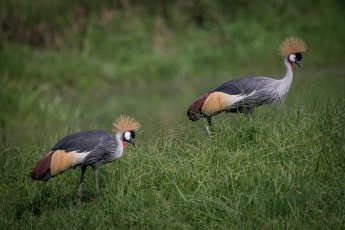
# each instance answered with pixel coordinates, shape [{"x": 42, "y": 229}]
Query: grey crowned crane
[
  {"x": 244, "y": 94},
  {"x": 86, "y": 148}
]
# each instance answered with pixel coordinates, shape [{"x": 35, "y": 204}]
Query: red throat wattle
[{"x": 124, "y": 143}]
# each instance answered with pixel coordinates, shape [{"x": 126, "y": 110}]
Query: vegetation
[
  {"x": 67, "y": 66},
  {"x": 286, "y": 173}
]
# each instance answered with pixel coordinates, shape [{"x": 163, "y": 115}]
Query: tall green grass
[{"x": 279, "y": 170}]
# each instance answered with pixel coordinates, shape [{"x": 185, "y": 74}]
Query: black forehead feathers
[
  {"x": 298, "y": 56},
  {"x": 132, "y": 134}
]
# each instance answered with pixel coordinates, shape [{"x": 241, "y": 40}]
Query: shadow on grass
[{"x": 45, "y": 201}]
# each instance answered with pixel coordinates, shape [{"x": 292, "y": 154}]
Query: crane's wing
[
  {"x": 241, "y": 86},
  {"x": 68, "y": 152},
  {"x": 94, "y": 146},
  {"x": 84, "y": 141},
  {"x": 248, "y": 91}
]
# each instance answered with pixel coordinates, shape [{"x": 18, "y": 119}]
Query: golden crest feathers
[
  {"x": 292, "y": 45},
  {"x": 124, "y": 123}
]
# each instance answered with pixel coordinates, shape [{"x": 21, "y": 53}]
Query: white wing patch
[
  {"x": 232, "y": 99},
  {"x": 79, "y": 157}
]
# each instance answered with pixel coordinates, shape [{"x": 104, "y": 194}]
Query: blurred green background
[{"x": 71, "y": 65}]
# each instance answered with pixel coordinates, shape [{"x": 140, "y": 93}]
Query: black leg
[
  {"x": 249, "y": 113},
  {"x": 209, "y": 120},
  {"x": 80, "y": 186}
]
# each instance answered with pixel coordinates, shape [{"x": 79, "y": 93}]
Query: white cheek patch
[
  {"x": 292, "y": 58},
  {"x": 127, "y": 136}
]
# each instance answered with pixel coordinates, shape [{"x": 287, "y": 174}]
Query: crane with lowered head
[
  {"x": 244, "y": 94},
  {"x": 86, "y": 148}
]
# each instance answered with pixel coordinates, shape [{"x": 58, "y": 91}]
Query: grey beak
[
  {"x": 299, "y": 64},
  {"x": 131, "y": 141}
]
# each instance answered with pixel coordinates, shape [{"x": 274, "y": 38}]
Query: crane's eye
[
  {"x": 292, "y": 58},
  {"x": 127, "y": 136}
]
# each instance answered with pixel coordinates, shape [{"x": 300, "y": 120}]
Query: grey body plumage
[
  {"x": 101, "y": 145},
  {"x": 262, "y": 90}
]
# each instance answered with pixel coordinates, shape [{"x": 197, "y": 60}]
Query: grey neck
[
  {"x": 284, "y": 84},
  {"x": 119, "y": 149}
]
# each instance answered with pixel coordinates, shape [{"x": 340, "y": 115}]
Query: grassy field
[
  {"x": 281, "y": 170},
  {"x": 77, "y": 66}
]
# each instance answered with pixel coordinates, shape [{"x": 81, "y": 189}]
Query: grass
[
  {"x": 283, "y": 170},
  {"x": 272, "y": 172}
]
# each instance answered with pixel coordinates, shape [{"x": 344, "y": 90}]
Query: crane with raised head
[
  {"x": 86, "y": 148},
  {"x": 244, "y": 94}
]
